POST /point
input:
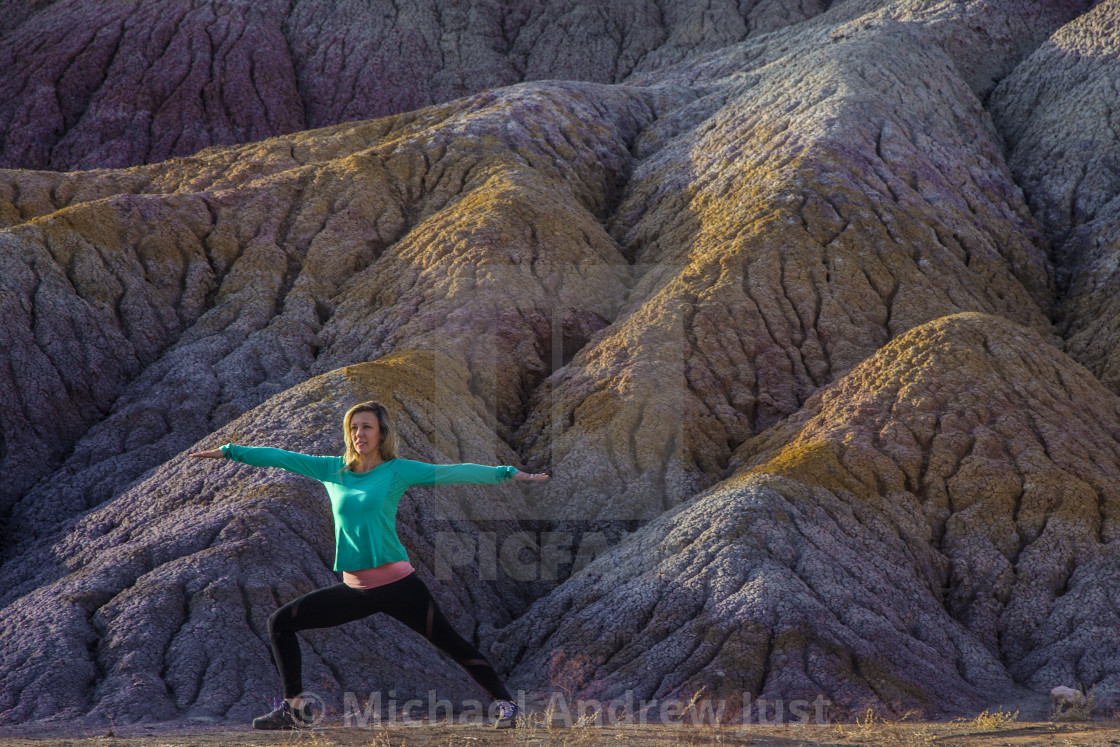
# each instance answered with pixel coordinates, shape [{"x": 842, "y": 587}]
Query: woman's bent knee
[{"x": 279, "y": 622}]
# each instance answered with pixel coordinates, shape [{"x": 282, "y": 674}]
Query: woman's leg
[
  {"x": 409, "y": 601},
  {"x": 322, "y": 608}
]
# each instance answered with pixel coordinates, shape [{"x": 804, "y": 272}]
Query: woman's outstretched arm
[
  {"x": 322, "y": 468},
  {"x": 421, "y": 473}
]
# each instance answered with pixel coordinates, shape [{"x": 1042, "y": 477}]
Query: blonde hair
[{"x": 388, "y": 445}]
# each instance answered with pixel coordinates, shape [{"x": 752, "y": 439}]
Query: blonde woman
[{"x": 365, "y": 486}]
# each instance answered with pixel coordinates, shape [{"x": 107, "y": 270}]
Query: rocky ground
[{"x": 904, "y": 733}]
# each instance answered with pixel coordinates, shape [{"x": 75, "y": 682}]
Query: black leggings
[{"x": 407, "y": 600}]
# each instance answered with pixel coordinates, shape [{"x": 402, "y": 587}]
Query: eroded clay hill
[
  {"x": 792, "y": 308},
  {"x": 142, "y": 81},
  {"x": 937, "y": 525},
  {"x": 1058, "y": 112}
]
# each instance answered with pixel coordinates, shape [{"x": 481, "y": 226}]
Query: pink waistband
[{"x": 370, "y": 578}]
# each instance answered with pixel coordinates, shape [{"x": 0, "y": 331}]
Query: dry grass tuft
[
  {"x": 904, "y": 731},
  {"x": 992, "y": 721}
]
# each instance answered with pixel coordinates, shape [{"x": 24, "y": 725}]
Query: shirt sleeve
[
  {"x": 420, "y": 473},
  {"x": 322, "y": 468}
]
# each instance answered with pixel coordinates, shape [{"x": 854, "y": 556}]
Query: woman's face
[{"x": 365, "y": 433}]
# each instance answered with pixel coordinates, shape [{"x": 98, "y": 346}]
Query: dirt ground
[{"x": 993, "y": 732}]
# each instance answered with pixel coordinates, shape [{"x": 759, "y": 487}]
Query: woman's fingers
[{"x": 530, "y": 476}]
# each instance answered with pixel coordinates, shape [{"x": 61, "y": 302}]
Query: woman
[{"x": 365, "y": 485}]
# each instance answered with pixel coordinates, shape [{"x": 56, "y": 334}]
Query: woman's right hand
[{"x": 212, "y": 454}]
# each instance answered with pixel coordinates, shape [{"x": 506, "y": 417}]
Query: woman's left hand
[{"x": 519, "y": 475}]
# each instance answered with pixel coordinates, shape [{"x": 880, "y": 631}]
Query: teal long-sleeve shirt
[{"x": 365, "y": 504}]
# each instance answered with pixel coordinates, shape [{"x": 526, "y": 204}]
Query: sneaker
[
  {"x": 284, "y": 717},
  {"x": 507, "y": 714}
]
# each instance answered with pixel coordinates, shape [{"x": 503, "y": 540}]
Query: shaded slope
[
  {"x": 985, "y": 40},
  {"x": 941, "y": 520},
  {"x": 119, "y": 84},
  {"x": 1060, "y": 114}
]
